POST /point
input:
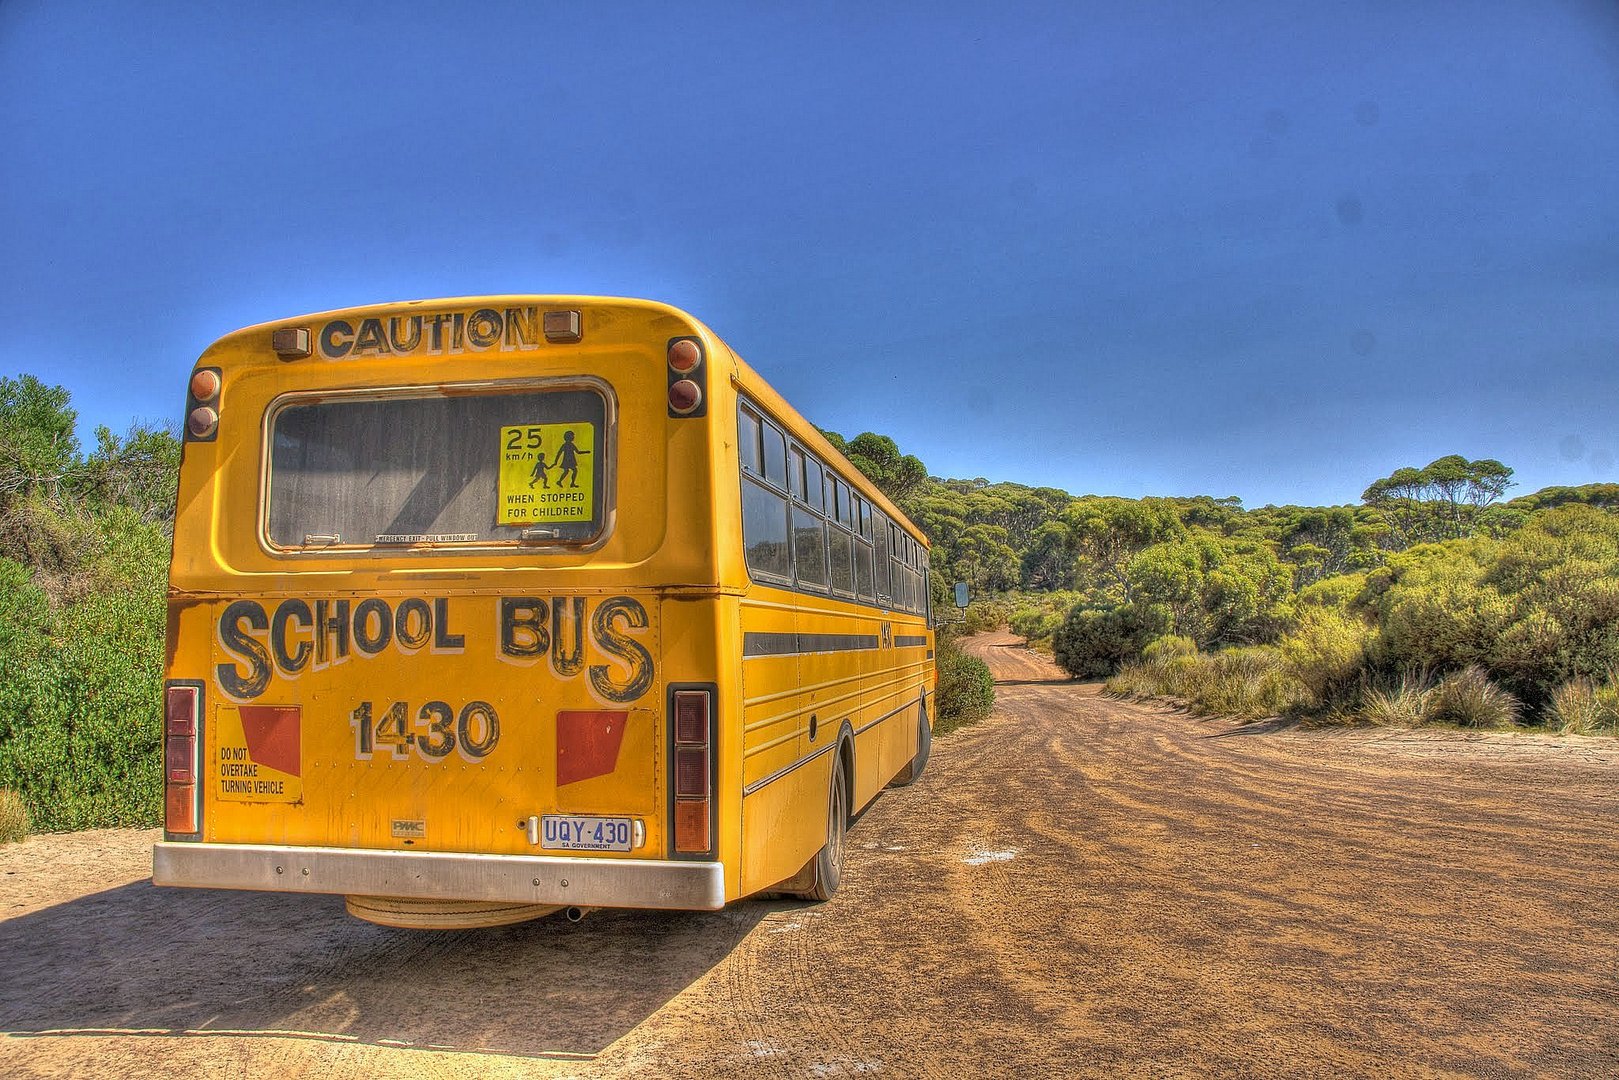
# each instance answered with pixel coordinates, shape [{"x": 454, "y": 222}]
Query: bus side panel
[
  {"x": 862, "y": 678},
  {"x": 784, "y": 824},
  {"x": 781, "y": 829}
]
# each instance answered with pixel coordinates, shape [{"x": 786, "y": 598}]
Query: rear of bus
[{"x": 443, "y": 612}]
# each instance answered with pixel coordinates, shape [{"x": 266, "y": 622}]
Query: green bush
[
  {"x": 1533, "y": 610},
  {"x": 1092, "y": 643},
  {"x": 966, "y": 688},
  {"x": 1327, "y": 656},
  {"x": 1167, "y": 647},
  {"x": 80, "y": 732},
  {"x": 13, "y": 817},
  {"x": 1247, "y": 683}
]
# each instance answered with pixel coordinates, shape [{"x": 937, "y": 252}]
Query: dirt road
[{"x": 1078, "y": 887}]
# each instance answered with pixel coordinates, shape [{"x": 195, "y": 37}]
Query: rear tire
[
  {"x": 829, "y": 861},
  {"x": 924, "y": 749}
]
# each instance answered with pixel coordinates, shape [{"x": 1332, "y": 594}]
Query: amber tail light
[{"x": 182, "y": 708}]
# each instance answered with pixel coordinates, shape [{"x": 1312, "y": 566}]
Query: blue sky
[{"x": 1275, "y": 250}]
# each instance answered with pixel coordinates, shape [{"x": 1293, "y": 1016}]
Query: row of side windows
[{"x": 804, "y": 527}]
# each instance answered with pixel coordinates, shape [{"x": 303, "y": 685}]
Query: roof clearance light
[
  {"x": 684, "y": 397},
  {"x": 291, "y": 342},
  {"x": 202, "y": 422},
  {"x": 205, "y": 385},
  {"x": 561, "y": 327},
  {"x": 684, "y": 355}
]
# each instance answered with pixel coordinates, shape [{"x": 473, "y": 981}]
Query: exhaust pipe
[{"x": 574, "y": 914}]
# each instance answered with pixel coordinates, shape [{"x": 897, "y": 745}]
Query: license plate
[{"x": 559, "y": 832}]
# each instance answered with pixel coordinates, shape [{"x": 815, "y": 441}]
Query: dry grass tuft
[
  {"x": 1582, "y": 707},
  {"x": 1405, "y": 705},
  {"x": 1469, "y": 699},
  {"x": 13, "y": 817}
]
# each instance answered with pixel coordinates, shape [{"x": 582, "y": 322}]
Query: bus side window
[
  {"x": 795, "y": 472},
  {"x": 775, "y": 455},
  {"x": 764, "y": 531},
  {"x": 862, "y": 570},
  {"x": 747, "y": 441},
  {"x": 884, "y": 590},
  {"x": 814, "y": 484},
  {"x": 809, "y": 549},
  {"x": 841, "y": 545}
]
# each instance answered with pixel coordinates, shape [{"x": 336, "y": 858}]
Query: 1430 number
[{"x": 436, "y": 732}]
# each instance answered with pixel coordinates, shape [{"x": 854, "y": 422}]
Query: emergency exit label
[
  {"x": 258, "y": 753},
  {"x": 547, "y": 473}
]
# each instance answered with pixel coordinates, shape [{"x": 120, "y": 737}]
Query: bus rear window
[{"x": 412, "y": 468}]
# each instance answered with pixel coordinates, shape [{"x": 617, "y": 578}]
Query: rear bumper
[{"x": 525, "y": 879}]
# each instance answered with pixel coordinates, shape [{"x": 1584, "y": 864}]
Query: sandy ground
[{"x": 1078, "y": 887}]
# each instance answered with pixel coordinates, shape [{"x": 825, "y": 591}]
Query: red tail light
[
  {"x": 202, "y": 405},
  {"x": 181, "y": 712},
  {"x": 688, "y": 377},
  {"x": 684, "y": 355},
  {"x": 684, "y": 397},
  {"x": 693, "y": 733}
]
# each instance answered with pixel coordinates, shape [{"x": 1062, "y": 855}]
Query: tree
[
  {"x": 1217, "y": 591},
  {"x": 1106, "y": 533},
  {"x": 1440, "y": 501},
  {"x": 37, "y": 447},
  {"x": 879, "y": 458},
  {"x": 140, "y": 471}
]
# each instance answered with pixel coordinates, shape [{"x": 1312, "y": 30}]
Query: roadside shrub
[
  {"x": 966, "y": 688},
  {"x": 1247, "y": 683},
  {"x": 986, "y": 614},
  {"x": 1404, "y": 704},
  {"x": 1534, "y": 610},
  {"x": 13, "y": 817},
  {"x": 1327, "y": 655},
  {"x": 1581, "y": 707},
  {"x": 1168, "y": 647},
  {"x": 1092, "y": 643},
  {"x": 1469, "y": 699},
  {"x": 80, "y": 730}
]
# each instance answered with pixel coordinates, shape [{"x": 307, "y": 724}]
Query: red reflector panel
[
  {"x": 180, "y": 808},
  {"x": 180, "y": 710},
  {"x": 588, "y": 744},
  {"x": 691, "y": 825},
  {"x": 691, "y": 773},
  {"x": 691, "y": 717}
]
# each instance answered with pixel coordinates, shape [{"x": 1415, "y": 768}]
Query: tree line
[{"x": 1434, "y": 574}]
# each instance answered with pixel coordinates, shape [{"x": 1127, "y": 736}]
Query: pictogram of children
[{"x": 567, "y": 461}]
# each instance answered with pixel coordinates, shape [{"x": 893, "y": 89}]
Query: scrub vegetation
[
  {"x": 84, "y": 545},
  {"x": 1434, "y": 600}
]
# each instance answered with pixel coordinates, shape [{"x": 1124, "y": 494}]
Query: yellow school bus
[{"x": 489, "y": 607}]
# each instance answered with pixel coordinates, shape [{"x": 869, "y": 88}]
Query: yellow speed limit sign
[{"x": 547, "y": 473}]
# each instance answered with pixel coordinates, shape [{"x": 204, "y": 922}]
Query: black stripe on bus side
[
  {"x": 909, "y": 641},
  {"x": 770, "y": 644}
]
